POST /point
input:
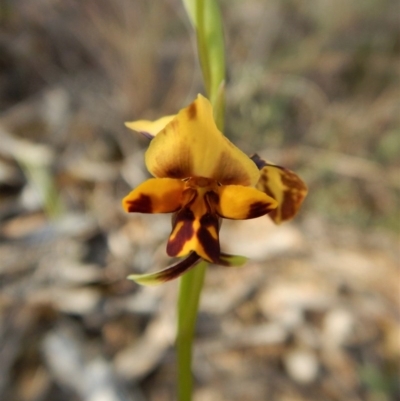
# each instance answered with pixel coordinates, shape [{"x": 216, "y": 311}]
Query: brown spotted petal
[
  {"x": 240, "y": 203},
  {"x": 156, "y": 195},
  {"x": 283, "y": 185},
  {"x": 170, "y": 273},
  {"x": 195, "y": 229}
]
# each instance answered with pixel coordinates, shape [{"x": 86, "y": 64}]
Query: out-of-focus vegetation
[{"x": 313, "y": 86}]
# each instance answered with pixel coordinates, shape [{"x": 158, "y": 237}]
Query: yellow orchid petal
[
  {"x": 149, "y": 128},
  {"x": 283, "y": 185},
  {"x": 240, "y": 203},
  {"x": 156, "y": 195},
  {"x": 191, "y": 145},
  {"x": 167, "y": 274},
  {"x": 195, "y": 229}
]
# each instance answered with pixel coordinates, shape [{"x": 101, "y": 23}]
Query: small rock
[
  {"x": 301, "y": 365},
  {"x": 337, "y": 327}
]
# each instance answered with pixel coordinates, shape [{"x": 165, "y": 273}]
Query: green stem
[
  {"x": 188, "y": 303},
  {"x": 206, "y": 19}
]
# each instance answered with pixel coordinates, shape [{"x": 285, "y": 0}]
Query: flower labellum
[{"x": 201, "y": 177}]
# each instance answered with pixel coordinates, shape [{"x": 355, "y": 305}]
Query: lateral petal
[
  {"x": 241, "y": 203},
  {"x": 195, "y": 229},
  {"x": 156, "y": 195},
  {"x": 232, "y": 260},
  {"x": 191, "y": 145},
  {"x": 149, "y": 128},
  {"x": 283, "y": 185},
  {"x": 167, "y": 274}
]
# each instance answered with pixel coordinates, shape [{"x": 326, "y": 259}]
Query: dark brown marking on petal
[
  {"x": 176, "y": 172},
  {"x": 288, "y": 206},
  {"x": 192, "y": 111},
  {"x": 184, "y": 234},
  {"x": 178, "y": 165},
  {"x": 182, "y": 165},
  {"x": 264, "y": 175},
  {"x": 258, "y": 209},
  {"x": 209, "y": 243},
  {"x": 188, "y": 197},
  {"x": 229, "y": 171},
  {"x": 263, "y": 187},
  {"x": 209, "y": 220},
  {"x": 292, "y": 180},
  {"x": 140, "y": 205},
  {"x": 181, "y": 267},
  {"x": 212, "y": 200}
]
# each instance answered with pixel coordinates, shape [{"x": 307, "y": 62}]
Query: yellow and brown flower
[{"x": 201, "y": 177}]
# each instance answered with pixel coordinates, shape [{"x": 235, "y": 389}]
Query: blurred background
[{"x": 313, "y": 316}]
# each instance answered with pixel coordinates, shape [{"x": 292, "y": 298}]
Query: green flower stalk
[{"x": 206, "y": 19}]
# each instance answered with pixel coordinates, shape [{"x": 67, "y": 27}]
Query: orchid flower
[{"x": 201, "y": 177}]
